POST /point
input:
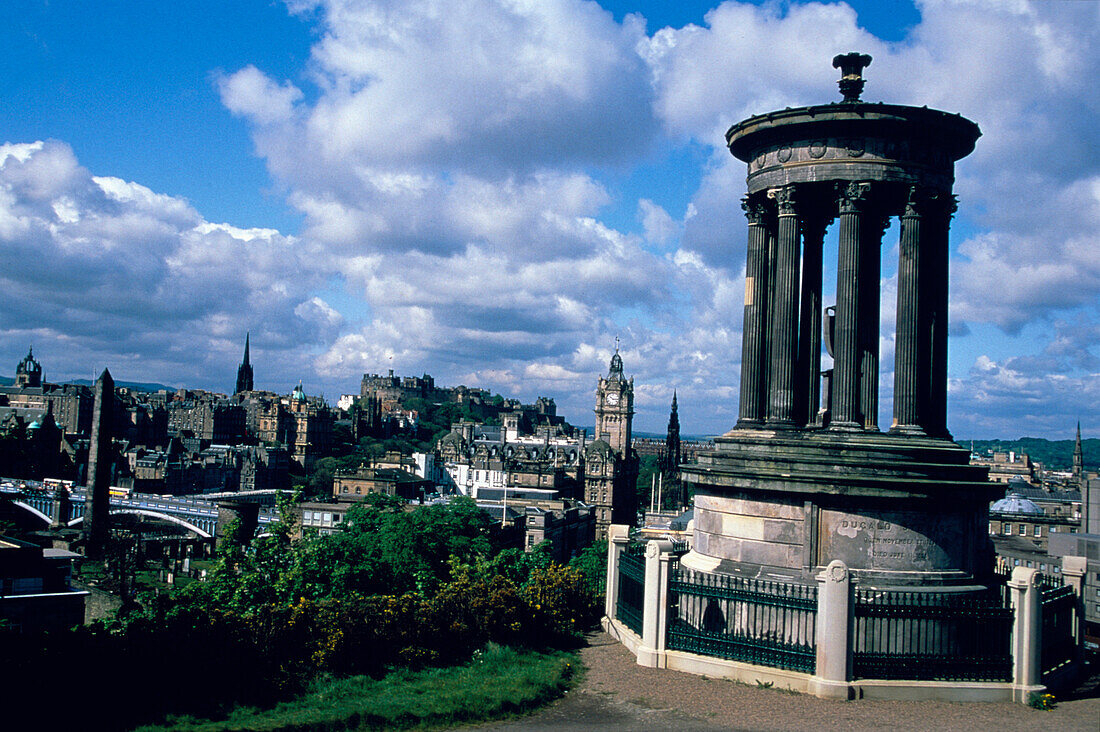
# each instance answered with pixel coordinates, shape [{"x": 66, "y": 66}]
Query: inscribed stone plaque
[{"x": 893, "y": 540}]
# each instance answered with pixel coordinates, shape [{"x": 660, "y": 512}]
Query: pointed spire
[
  {"x": 1078, "y": 455},
  {"x": 244, "y": 371},
  {"x": 673, "y": 400}
]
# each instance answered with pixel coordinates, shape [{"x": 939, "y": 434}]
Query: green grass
[{"x": 498, "y": 682}]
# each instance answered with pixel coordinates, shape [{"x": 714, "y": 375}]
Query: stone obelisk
[{"x": 97, "y": 496}]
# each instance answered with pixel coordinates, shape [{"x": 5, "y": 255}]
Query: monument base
[{"x": 899, "y": 510}]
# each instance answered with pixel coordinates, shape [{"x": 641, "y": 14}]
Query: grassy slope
[{"x": 497, "y": 682}]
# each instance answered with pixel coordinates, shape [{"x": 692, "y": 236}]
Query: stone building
[
  {"x": 207, "y": 416},
  {"x": 302, "y": 423},
  {"x": 535, "y": 453},
  {"x": 1006, "y": 466},
  {"x": 70, "y": 404},
  {"x": 354, "y": 485}
]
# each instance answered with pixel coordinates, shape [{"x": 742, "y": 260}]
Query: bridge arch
[
  {"x": 33, "y": 510},
  {"x": 154, "y": 514}
]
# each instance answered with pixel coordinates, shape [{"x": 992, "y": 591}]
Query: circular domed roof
[{"x": 1015, "y": 503}]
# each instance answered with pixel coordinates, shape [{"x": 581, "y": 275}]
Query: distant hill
[
  {"x": 1053, "y": 454},
  {"x": 134, "y": 385}
]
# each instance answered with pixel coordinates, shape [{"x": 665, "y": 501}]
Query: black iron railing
[
  {"x": 629, "y": 609},
  {"x": 1059, "y": 610},
  {"x": 930, "y": 636},
  {"x": 680, "y": 546},
  {"x": 755, "y": 621}
]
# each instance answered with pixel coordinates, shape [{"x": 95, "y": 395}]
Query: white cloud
[
  {"x": 115, "y": 271},
  {"x": 459, "y": 168},
  {"x": 250, "y": 93}
]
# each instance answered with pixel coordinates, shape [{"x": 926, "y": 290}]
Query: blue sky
[{"x": 493, "y": 191}]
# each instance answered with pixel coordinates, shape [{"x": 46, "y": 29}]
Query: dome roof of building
[{"x": 1015, "y": 503}]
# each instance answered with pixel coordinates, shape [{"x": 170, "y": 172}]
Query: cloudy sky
[{"x": 493, "y": 191}]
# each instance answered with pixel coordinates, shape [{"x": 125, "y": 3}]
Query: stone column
[
  {"x": 909, "y": 377},
  {"x": 618, "y": 536},
  {"x": 874, "y": 225},
  {"x": 1074, "y": 570},
  {"x": 769, "y": 341},
  {"x": 237, "y": 523},
  {"x": 834, "y": 632},
  {"x": 845, "y": 405},
  {"x": 934, "y": 260},
  {"x": 809, "y": 334},
  {"x": 1027, "y": 634},
  {"x": 783, "y": 323},
  {"x": 658, "y": 557},
  {"x": 754, "y": 327}
]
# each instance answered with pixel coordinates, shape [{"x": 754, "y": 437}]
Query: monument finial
[{"x": 851, "y": 67}]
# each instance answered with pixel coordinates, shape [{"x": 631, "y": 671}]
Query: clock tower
[
  {"x": 615, "y": 407},
  {"x": 611, "y": 465}
]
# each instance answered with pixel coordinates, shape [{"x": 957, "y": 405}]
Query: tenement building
[{"x": 829, "y": 553}]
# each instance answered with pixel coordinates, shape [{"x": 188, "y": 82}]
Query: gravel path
[{"x": 617, "y": 694}]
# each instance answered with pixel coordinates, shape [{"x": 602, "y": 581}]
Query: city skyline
[{"x": 494, "y": 192}]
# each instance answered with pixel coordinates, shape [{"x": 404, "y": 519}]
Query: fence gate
[
  {"x": 631, "y": 602},
  {"x": 755, "y": 621}
]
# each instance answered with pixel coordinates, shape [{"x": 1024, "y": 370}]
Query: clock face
[{"x": 612, "y": 399}]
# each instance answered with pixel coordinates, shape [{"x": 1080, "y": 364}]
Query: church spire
[
  {"x": 244, "y": 371},
  {"x": 1078, "y": 456}
]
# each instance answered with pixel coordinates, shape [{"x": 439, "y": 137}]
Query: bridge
[{"x": 197, "y": 515}]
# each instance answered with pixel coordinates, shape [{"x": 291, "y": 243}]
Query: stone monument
[
  {"x": 97, "y": 501},
  {"x": 807, "y": 476}
]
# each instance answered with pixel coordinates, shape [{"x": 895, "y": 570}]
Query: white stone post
[
  {"x": 834, "y": 632},
  {"x": 658, "y": 556},
  {"x": 1073, "y": 574},
  {"x": 618, "y": 536},
  {"x": 1027, "y": 634}
]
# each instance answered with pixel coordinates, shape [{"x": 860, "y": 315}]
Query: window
[
  {"x": 1016, "y": 562},
  {"x": 1029, "y": 563},
  {"x": 1022, "y": 530},
  {"x": 358, "y": 491},
  {"x": 1043, "y": 567},
  {"x": 1038, "y": 530},
  {"x": 1006, "y": 529}
]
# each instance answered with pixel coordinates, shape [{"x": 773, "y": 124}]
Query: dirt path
[{"x": 617, "y": 694}]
